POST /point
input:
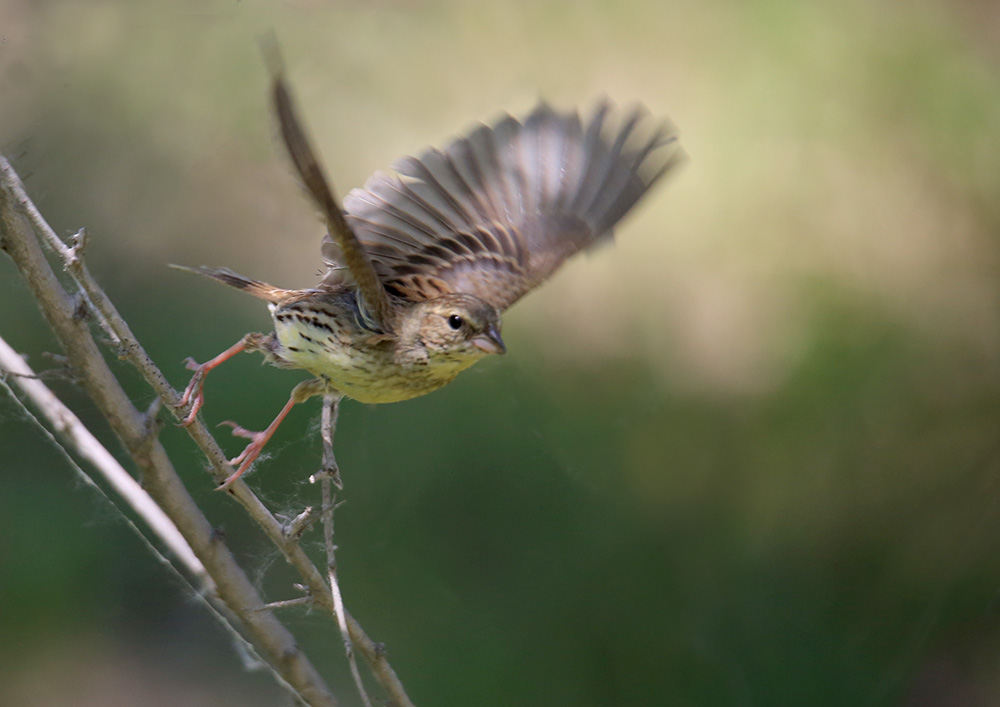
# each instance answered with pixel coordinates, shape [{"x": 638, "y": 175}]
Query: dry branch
[{"x": 20, "y": 221}]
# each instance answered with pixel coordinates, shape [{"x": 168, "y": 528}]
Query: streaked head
[{"x": 453, "y": 327}]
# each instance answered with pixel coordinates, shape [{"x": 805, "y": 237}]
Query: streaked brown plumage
[{"x": 422, "y": 262}]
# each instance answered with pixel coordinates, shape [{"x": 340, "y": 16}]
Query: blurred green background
[{"x": 749, "y": 456}]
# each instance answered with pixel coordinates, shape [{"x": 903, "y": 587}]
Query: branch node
[
  {"x": 81, "y": 308},
  {"x": 299, "y": 524},
  {"x": 153, "y": 410},
  {"x": 63, "y": 369},
  {"x": 74, "y": 253},
  {"x": 152, "y": 418},
  {"x": 331, "y": 472}
]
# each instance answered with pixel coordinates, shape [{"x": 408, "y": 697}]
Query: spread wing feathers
[
  {"x": 364, "y": 274},
  {"x": 498, "y": 211}
]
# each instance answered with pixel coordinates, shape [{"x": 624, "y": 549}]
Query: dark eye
[{"x": 455, "y": 321}]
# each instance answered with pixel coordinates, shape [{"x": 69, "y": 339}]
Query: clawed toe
[
  {"x": 249, "y": 455},
  {"x": 195, "y": 396},
  {"x": 239, "y": 431},
  {"x": 193, "y": 393},
  {"x": 244, "y": 459},
  {"x": 259, "y": 439}
]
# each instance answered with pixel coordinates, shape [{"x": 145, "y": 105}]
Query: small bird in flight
[{"x": 421, "y": 262}]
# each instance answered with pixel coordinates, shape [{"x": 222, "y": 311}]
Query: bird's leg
[
  {"x": 194, "y": 392},
  {"x": 302, "y": 392}
]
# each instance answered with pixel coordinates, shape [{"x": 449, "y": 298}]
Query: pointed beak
[{"x": 490, "y": 341}]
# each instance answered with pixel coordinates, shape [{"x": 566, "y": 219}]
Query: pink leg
[
  {"x": 303, "y": 391},
  {"x": 194, "y": 393}
]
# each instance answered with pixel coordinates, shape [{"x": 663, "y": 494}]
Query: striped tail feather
[{"x": 258, "y": 289}]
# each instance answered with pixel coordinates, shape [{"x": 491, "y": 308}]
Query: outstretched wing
[{"x": 498, "y": 211}]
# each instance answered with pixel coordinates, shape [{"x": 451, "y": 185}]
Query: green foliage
[{"x": 747, "y": 457}]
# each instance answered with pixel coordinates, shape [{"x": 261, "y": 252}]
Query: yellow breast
[{"x": 355, "y": 362}]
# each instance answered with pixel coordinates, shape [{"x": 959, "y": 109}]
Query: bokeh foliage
[{"x": 748, "y": 456}]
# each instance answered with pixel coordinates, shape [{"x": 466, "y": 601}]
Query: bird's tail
[{"x": 258, "y": 289}]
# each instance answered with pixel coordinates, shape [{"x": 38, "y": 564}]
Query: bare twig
[
  {"x": 15, "y": 208},
  {"x": 69, "y": 428},
  {"x": 285, "y": 603},
  {"x": 299, "y": 524},
  {"x": 329, "y": 475},
  {"x": 234, "y": 588}
]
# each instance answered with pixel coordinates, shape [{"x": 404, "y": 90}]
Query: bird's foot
[
  {"x": 249, "y": 455},
  {"x": 194, "y": 393}
]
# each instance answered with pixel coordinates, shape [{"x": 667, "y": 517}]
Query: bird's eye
[{"x": 455, "y": 321}]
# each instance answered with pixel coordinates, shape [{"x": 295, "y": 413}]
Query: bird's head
[{"x": 454, "y": 327}]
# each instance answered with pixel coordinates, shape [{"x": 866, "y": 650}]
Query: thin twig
[
  {"x": 285, "y": 603},
  {"x": 328, "y": 476},
  {"x": 73, "y": 433},
  {"x": 274, "y": 641},
  {"x": 205, "y": 591},
  {"x": 15, "y": 204},
  {"x": 299, "y": 524}
]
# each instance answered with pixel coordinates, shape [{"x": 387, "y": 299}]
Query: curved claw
[
  {"x": 195, "y": 395},
  {"x": 189, "y": 419},
  {"x": 239, "y": 431},
  {"x": 258, "y": 439},
  {"x": 249, "y": 455}
]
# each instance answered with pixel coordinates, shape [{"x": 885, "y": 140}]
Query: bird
[{"x": 423, "y": 259}]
